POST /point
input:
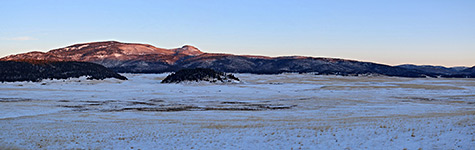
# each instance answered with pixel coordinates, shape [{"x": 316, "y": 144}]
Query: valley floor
[{"x": 286, "y": 111}]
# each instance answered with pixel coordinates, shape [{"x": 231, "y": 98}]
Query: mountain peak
[
  {"x": 188, "y": 50},
  {"x": 189, "y": 46}
]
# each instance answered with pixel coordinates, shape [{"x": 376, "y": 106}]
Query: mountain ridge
[{"x": 145, "y": 58}]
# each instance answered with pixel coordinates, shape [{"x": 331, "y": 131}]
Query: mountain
[
  {"x": 442, "y": 71},
  {"x": 126, "y": 57},
  {"x": 37, "y": 70},
  {"x": 144, "y": 58},
  {"x": 434, "y": 69}
]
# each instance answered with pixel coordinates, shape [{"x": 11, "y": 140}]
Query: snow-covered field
[{"x": 286, "y": 111}]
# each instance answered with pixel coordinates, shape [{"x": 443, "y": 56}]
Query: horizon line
[{"x": 246, "y": 54}]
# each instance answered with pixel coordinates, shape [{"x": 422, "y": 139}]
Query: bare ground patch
[
  {"x": 5, "y": 100},
  {"x": 163, "y": 106},
  {"x": 395, "y": 85},
  {"x": 428, "y": 86}
]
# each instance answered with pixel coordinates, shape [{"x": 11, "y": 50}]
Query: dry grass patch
[
  {"x": 457, "y": 102},
  {"x": 227, "y": 126},
  {"x": 459, "y": 96},
  {"x": 356, "y": 87}
]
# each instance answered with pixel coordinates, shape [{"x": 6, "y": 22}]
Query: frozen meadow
[{"x": 285, "y": 111}]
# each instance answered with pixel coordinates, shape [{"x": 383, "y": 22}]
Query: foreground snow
[{"x": 264, "y": 112}]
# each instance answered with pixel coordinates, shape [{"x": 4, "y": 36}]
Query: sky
[{"x": 393, "y": 32}]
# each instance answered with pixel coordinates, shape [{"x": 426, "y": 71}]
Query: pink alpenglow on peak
[{"x": 189, "y": 50}]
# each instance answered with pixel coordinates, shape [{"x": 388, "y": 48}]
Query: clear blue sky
[{"x": 435, "y": 32}]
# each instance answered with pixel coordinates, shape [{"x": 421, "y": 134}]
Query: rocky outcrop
[
  {"x": 35, "y": 71},
  {"x": 200, "y": 74},
  {"x": 144, "y": 58}
]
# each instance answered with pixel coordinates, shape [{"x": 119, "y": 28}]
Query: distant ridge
[
  {"x": 144, "y": 58},
  {"x": 439, "y": 70}
]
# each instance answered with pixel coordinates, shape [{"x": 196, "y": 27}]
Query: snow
[
  {"x": 117, "y": 55},
  {"x": 104, "y": 46},
  {"x": 325, "y": 112},
  {"x": 82, "y": 46}
]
